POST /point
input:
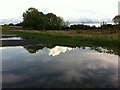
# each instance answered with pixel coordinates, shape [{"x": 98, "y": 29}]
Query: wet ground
[{"x": 14, "y": 40}]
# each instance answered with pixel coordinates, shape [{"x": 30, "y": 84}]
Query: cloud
[
  {"x": 68, "y": 9},
  {"x": 10, "y": 20},
  {"x": 119, "y": 8}
]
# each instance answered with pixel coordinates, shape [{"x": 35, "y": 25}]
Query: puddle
[
  {"x": 9, "y": 35},
  {"x": 59, "y": 66},
  {"x": 11, "y": 38}
]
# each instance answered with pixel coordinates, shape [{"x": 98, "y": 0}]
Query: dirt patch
[{"x": 19, "y": 42}]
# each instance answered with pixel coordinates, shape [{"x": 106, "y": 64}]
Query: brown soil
[{"x": 19, "y": 42}]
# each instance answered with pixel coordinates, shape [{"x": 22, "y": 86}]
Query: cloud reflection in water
[
  {"x": 59, "y": 67},
  {"x": 58, "y": 49}
]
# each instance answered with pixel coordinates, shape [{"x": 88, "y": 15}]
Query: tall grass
[{"x": 73, "y": 38}]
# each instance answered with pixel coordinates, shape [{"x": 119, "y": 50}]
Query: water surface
[
  {"x": 11, "y": 38},
  {"x": 36, "y": 67}
]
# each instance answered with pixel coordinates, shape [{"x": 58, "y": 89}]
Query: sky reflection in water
[
  {"x": 59, "y": 67},
  {"x": 12, "y": 38}
]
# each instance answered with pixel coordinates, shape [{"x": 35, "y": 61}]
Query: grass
[{"x": 74, "y": 38}]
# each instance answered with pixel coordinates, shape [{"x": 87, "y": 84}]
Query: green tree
[
  {"x": 53, "y": 22},
  {"x": 33, "y": 19},
  {"x": 116, "y": 19},
  {"x": 60, "y": 22}
]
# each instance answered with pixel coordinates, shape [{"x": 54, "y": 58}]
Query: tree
[
  {"x": 60, "y": 22},
  {"x": 53, "y": 22},
  {"x": 11, "y": 24},
  {"x": 103, "y": 23},
  {"x": 33, "y": 19},
  {"x": 116, "y": 19}
]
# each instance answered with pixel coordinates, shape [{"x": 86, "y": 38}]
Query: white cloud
[{"x": 68, "y": 9}]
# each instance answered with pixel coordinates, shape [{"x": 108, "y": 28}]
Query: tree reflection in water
[
  {"x": 36, "y": 48},
  {"x": 33, "y": 48}
]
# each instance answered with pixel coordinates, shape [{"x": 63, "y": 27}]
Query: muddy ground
[{"x": 17, "y": 42}]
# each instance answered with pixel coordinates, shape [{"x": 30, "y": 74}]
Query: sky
[{"x": 70, "y": 10}]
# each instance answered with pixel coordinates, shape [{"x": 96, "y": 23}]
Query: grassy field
[{"x": 74, "y": 38}]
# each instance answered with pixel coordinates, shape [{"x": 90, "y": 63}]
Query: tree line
[{"x": 33, "y": 19}]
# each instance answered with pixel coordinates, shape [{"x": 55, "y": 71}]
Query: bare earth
[{"x": 19, "y": 42}]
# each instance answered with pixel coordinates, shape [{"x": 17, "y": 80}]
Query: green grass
[{"x": 74, "y": 38}]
